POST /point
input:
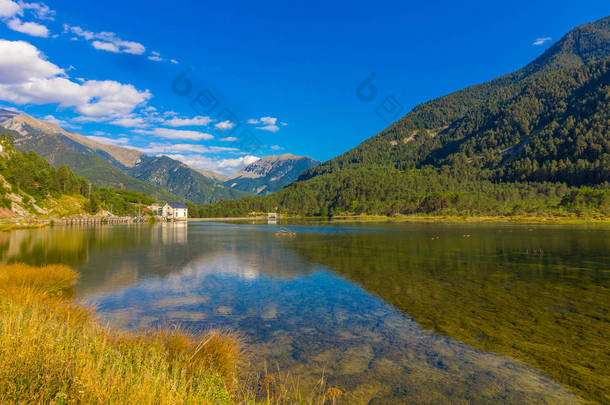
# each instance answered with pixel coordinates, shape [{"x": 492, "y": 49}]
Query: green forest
[
  {"x": 533, "y": 142},
  {"x": 26, "y": 172},
  {"x": 389, "y": 191}
]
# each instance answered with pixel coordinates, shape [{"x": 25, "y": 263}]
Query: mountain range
[
  {"x": 269, "y": 174},
  {"x": 545, "y": 123},
  {"x": 158, "y": 176}
]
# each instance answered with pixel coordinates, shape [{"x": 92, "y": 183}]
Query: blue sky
[{"x": 276, "y": 77}]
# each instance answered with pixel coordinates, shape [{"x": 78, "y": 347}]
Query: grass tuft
[{"x": 52, "y": 351}]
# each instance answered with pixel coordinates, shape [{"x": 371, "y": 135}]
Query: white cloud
[
  {"x": 21, "y": 62},
  {"x": 183, "y": 122},
  {"x": 226, "y": 166},
  {"x": 30, "y": 28},
  {"x": 57, "y": 121},
  {"x": 129, "y": 122},
  {"x": 105, "y": 46},
  {"x": 41, "y": 11},
  {"x": 541, "y": 41},
  {"x": 78, "y": 31},
  {"x": 184, "y": 148},
  {"x": 9, "y": 8},
  {"x": 270, "y": 128},
  {"x": 237, "y": 163},
  {"x": 229, "y": 139},
  {"x": 111, "y": 98},
  {"x": 269, "y": 123},
  {"x": 269, "y": 120},
  {"x": 100, "y": 133},
  {"x": 175, "y": 134},
  {"x": 156, "y": 56},
  {"x": 9, "y": 108},
  {"x": 10, "y": 13},
  {"x": 109, "y": 141},
  {"x": 27, "y": 77},
  {"x": 224, "y": 125},
  {"x": 276, "y": 147},
  {"x": 107, "y": 41}
]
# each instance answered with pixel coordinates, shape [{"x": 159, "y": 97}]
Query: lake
[{"x": 388, "y": 313}]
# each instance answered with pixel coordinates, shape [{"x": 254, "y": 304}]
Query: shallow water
[{"x": 417, "y": 313}]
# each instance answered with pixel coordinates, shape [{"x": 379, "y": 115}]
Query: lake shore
[{"x": 431, "y": 219}]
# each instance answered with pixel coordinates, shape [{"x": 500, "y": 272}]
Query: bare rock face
[
  {"x": 270, "y": 174},
  {"x": 29, "y": 127}
]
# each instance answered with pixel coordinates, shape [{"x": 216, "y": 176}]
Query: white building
[{"x": 175, "y": 211}]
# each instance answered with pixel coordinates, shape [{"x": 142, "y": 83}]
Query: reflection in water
[
  {"x": 291, "y": 300},
  {"x": 174, "y": 233}
]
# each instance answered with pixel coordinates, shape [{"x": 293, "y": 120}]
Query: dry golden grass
[
  {"x": 52, "y": 351},
  {"x": 55, "y": 352}
]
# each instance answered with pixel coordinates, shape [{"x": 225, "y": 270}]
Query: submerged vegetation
[
  {"x": 54, "y": 351},
  {"x": 526, "y": 295}
]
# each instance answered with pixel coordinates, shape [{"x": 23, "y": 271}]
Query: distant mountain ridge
[
  {"x": 158, "y": 176},
  {"x": 113, "y": 166},
  {"x": 269, "y": 174},
  {"x": 28, "y": 126},
  {"x": 182, "y": 180},
  {"x": 99, "y": 163}
]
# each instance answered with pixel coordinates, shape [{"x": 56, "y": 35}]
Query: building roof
[{"x": 177, "y": 205}]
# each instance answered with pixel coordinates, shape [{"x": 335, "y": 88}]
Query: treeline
[
  {"x": 431, "y": 191},
  {"x": 118, "y": 202},
  {"x": 31, "y": 174}
]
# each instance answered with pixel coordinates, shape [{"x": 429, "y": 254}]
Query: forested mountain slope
[
  {"x": 113, "y": 166},
  {"x": 99, "y": 163},
  {"x": 415, "y": 139},
  {"x": 180, "y": 179},
  {"x": 533, "y": 142},
  {"x": 31, "y": 187}
]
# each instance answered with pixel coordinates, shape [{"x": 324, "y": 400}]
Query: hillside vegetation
[
  {"x": 179, "y": 179},
  {"x": 31, "y": 187},
  {"x": 533, "y": 142},
  {"x": 514, "y": 107},
  {"x": 389, "y": 191}
]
